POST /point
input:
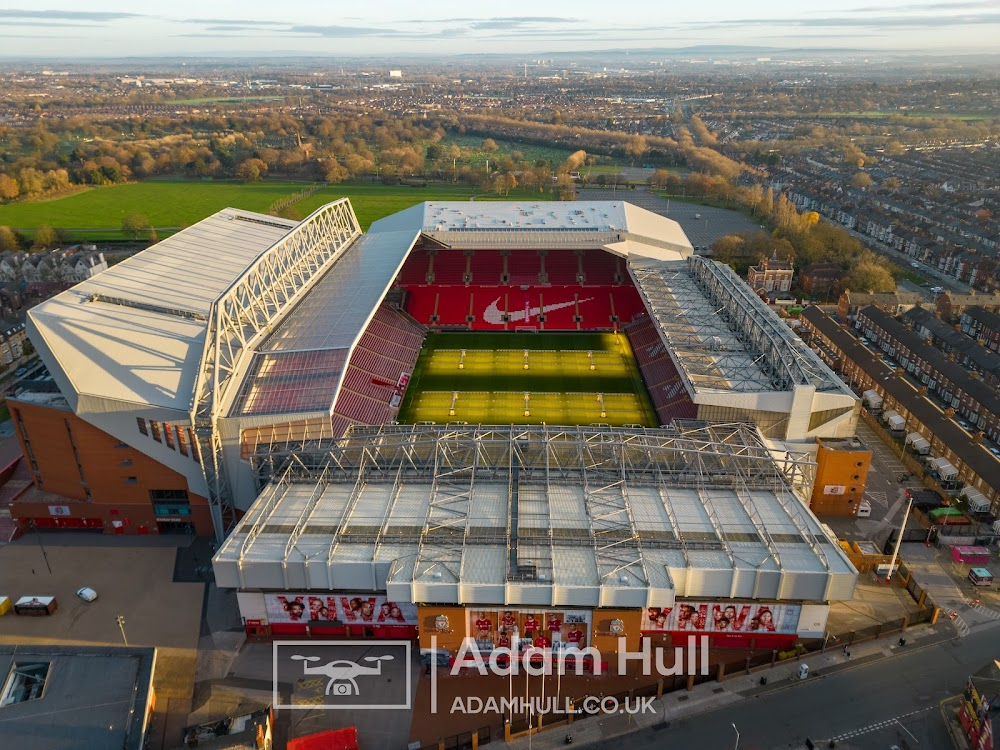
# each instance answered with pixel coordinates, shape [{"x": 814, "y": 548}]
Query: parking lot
[
  {"x": 883, "y": 491},
  {"x": 703, "y": 225},
  {"x": 132, "y": 579}
]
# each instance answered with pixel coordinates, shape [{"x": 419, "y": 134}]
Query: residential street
[{"x": 868, "y": 707}]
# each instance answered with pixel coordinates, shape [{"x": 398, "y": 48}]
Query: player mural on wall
[{"x": 722, "y": 617}]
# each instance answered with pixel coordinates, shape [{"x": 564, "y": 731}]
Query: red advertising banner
[
  {"x": 722, "y": 617},
  {"x": 347, "y": 608}
]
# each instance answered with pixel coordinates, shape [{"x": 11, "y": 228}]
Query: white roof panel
[{"x": 136, "y": 331}]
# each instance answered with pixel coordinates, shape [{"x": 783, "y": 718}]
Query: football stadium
[{"x": 472, "y": 413}]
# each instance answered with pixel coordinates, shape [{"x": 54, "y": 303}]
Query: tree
[
  {"x": 636, "y": 147},
  {"x": 565, "y": 187},
  {"x": 490, "y": 145},
  {"x": 861, "y": 180},
  {"x": 9, "y": 189},
  {"x": 767, "y": 204},
  {"x": 894, "y": 148},
  {"x": 869, "y": 274},
  {"x": 45, "y": 237},
  {"x": 891, "y": 183},
  {"x": 9, "y": 242},
  {"x": 728, "y": 248},
  {"x": 135, "y": 226},
  {"x": 251, "y": 170},
  {"x": 31, "y": 181},
  {"x": 334, "y": 172},
  {"x": 573, "y": 162},
  {"x": 504, "y": 183}
]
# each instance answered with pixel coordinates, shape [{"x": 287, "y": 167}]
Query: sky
[{"x": 110, "y": 28}]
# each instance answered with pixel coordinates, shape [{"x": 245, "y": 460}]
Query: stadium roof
[
  {"x": 538, "y": 515},
  {"x": 137, "y": 332},
  {"x": 298, "y": 368},
  {"x": 722, "y": 336},
  {"x": 132, "y": 332},
  {"x": 615, "y": 225}
]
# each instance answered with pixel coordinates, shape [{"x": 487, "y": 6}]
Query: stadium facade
[{"x": 187, "y": 383}]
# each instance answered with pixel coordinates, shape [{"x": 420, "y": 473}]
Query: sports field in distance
[
  {"x": 571, "y": 378},
  {"x": 169, "y": 205}
]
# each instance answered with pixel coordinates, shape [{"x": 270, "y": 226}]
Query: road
[{"x": 867, "y": 707}]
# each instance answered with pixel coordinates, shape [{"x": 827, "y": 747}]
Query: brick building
[{"x": 770, "y": 275}]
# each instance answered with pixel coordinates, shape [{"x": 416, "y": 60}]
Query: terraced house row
[
  {"x": 961, "y": 389},
  {"x": 860, "y": 367}
]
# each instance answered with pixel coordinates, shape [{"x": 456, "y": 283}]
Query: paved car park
[
  {"x": 133, "y": 579},
  {"x": 884, "y": 492},
  {"x": 703, "y": 225}
]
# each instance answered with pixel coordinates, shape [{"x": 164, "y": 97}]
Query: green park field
[
  {"x": 571, "y": 378},
  {"x": 170, "y": 205}
]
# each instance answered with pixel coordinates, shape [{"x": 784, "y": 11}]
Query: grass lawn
[
  {"x": 97, "y": 214},
  {"x": 532, "y": 152},
  {"x": 165, "y": 203},
  {"x": 375, "y": 201},
  {"x": 480, "y": 378}
]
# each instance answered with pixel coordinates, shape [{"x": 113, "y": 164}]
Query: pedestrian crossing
[{"x": 878, "y": 725}]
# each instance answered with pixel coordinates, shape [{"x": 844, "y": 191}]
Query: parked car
[
  {"x": 87, "y": 594},
  {"x": 20, "y": 371}
]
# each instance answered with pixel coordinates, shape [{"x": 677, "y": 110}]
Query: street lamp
[
  {"x": 121, "y": 626},
  {"x": 737, "y": 747},
  {"x": 41, "y": 546}
]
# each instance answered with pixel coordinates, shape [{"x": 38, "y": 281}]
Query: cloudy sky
[{"x": 106, "y": 28}]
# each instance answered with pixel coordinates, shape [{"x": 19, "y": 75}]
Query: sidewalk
[{"x": 713, "y": 695}]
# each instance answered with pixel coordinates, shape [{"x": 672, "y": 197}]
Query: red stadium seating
[
  {"x": 523, "y": 267},
  {"x": 627, "y": 303},
  {"x": 600, "y": 267},
  {"x": 421, "y": 303},
  {"x": 472, "y": 286},
  {"x": 487, "y": 267},
  {"x": 449, "y": 267},
  {"x": 414, "y": 270},
  {"x": 596, "y": 307},
  {"x": 562, "y": 267},
  {"x": 386, "y": 353},
  {"x": 664, "y": 383}
]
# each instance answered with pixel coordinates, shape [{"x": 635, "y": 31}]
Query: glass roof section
[{"x": 299, "y": 367}]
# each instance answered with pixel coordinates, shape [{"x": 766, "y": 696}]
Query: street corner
[{"x": 345, "y": 675}]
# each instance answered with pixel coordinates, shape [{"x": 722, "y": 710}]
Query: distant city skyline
[{"x": 111, "y": 28}]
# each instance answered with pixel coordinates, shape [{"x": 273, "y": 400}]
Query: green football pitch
[{"x": 527, "y": 378}]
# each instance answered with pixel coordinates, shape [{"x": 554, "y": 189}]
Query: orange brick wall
[
  {"x": 113, "y": 497},
  {"x": 839, "y": 468}
]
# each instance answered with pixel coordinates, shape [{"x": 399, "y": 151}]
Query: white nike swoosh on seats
[{"x": 494, "y": 316}]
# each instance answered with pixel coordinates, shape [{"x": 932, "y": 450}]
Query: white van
[{"x": 864, "y": 509}]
